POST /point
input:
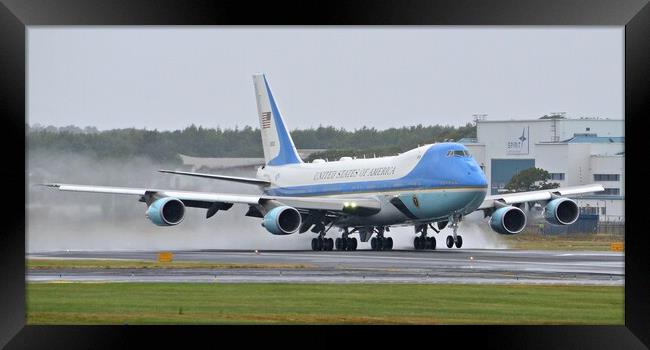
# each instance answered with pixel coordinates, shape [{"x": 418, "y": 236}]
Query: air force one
[{"x": 432, "y": 186}]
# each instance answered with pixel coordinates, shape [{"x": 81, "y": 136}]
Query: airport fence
[{"x": 586, "y": 224}]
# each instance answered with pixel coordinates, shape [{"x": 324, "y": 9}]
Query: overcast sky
[{"x": 167, "y": 78}]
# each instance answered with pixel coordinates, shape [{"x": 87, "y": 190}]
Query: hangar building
[{"x": 574, "y": 151}]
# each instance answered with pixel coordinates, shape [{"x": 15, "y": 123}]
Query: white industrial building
[{"x": 575, "y": 152}]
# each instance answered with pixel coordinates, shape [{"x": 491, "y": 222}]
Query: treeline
[{"x": 246, "y": 142}]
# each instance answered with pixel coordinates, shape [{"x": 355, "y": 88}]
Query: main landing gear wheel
[
  {"x": 388, "y": 243},
  {"x": 346, "y": 243},
  {"x": 322, "y": 243},
  {"x": 432, "y": 243},
  {"x": 381, "y": 243},
  {"x": 424, "y": 243}
]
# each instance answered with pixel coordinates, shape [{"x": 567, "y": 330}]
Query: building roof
[
  {"x": 549, "y": 120},
  {"x": 466, "y": 140},
  {"x": 593, "y": 138}
]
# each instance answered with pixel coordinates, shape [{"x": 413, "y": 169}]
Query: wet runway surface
[{"x": 442, "y": 266}]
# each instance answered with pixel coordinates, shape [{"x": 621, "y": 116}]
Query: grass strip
[
  {"x": 44, "y": 264},
  {"x": 206, "y": 303}
]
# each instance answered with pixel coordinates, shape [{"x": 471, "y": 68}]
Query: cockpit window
[{"x": 458, "y": 153}]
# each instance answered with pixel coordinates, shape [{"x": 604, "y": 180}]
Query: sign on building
[{"x": 518, "y": 143}]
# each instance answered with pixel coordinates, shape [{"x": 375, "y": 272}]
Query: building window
[
  {"x": 612, "y": 191},
  {"x": 557, "y": 176},
  {"x": 589, "y": 210},
  {"x": 607, "y": 177},
  {"x": 588, "y": 129}
]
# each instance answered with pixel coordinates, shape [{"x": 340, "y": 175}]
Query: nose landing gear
[{"x": 454, "y": 239}]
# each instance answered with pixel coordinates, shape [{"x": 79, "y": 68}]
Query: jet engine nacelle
[
  {"x": 167, "y": 211},
  {"x": 282, "y": 220},
  {"x": 508, "y": 220},
  {"x": 561, "y": 211}
]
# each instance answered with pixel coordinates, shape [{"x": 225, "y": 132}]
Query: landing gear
[
  {"x": 458, "y": 243},
  {"x": 450, "y": 241},
  {"x": 322, "y": 243},
  {"x": 345, "y": 242},
  {"x": 380, "y": 242},
  {"x": 454, "y": 239},
  {"x": 422, "y": 241}
]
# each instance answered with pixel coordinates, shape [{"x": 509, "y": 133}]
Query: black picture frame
[{"x": 15, "y": 15}]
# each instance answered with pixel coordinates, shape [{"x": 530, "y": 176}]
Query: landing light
[{"x": 349, "y": 205}]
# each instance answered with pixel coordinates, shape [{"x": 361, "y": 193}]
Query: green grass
[
  {"x": 536, "y": 241},
  {"x": 43, "y": 264},
  {"x": 164, "y": 303}
]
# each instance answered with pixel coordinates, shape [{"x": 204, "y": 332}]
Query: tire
[
  {"x": 353, "y": 245},
  {"x": 319, "y": 244},
  {"x": 459, "y": 241},
  {"x": 416, "y": 243},
  {"x": 373, "y": 243},
  {"x": 433, "y": 243},
  {"x": 427, "y": 243},
  {"x": 313, "y": 244},
  {"x": 337, "y": 244},
  {"x": 450, "y": 241},
  {"x": 389, "y": 243},
  {"x": 380, "y": 243}
]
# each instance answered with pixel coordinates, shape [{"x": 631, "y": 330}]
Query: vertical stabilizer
[{"x": 276, "y": 141}]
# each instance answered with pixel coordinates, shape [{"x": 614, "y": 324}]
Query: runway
[{"x": 441, "y": 266}]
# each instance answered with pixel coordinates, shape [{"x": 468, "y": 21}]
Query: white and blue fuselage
[{"x": 433, "y": 182}]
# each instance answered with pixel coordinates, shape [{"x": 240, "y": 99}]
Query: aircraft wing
[
  {"x": 246, "y": 180},
  {"x": 360, "y": 206},
  {"x": 535, "y": 196}
]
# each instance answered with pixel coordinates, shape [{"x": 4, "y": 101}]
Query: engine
[
  {"x": 561, "y": 211},
  {"x": 508, "y": 220},
  {"x": 282, "y": 220},
  {"x": 167, "y": 211}
]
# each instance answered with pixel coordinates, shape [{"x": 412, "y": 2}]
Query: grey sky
[{"x": 171, "y": 77}]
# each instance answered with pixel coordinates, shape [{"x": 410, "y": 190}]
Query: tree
[{"x": 531, "y": 179}]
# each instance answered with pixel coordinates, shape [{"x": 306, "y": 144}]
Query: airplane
[{"x": 429, "y": 187}]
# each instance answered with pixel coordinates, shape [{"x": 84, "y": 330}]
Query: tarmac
[{"x": 480, "y": 266}]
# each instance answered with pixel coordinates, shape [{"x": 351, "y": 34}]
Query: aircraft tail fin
[{"x": 276, "y": 140}]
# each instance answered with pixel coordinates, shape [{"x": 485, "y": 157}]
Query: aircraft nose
[{"x": 474, "y": 174}]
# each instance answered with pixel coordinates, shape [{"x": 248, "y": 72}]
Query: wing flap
[{"x": 246, "y": 180}]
